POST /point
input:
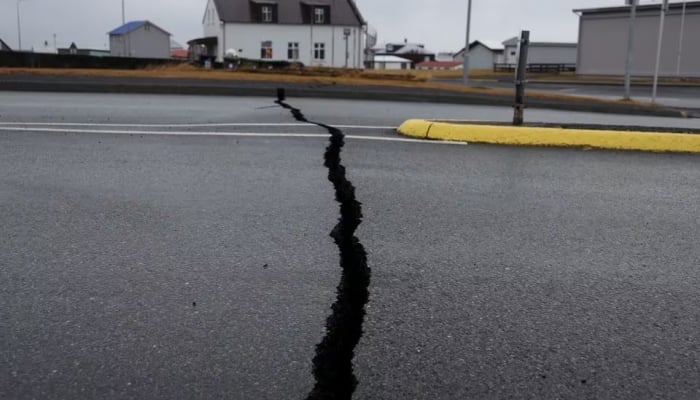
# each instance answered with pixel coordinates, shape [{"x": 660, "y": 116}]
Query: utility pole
[
  {"x": 465, "y": 65},
  {"x": 19, "y": 27},
  {"x": 630, "y": 48},
  {"x": 664, "y": 8},
  {"x": 123, "y": 13},
  {"x": 680, "y": 42}
]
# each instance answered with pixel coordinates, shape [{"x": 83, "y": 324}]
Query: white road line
[
  {"x": 209, "y": 125},
  {"x": 231, "y": 134}
]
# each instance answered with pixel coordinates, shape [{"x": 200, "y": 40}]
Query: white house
[
  {"x": 483, "y": 54},
  {"x": 139, "y": 39},
  {"x": 391, "y": 62},
  {"x": 326, "y": 33},
  {"x": 542, "y": 52}
]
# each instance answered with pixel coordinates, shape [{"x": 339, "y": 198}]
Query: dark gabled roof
[
  {"x": 645, "y": 7},
  {"x": 343, "y": 12},
  {"x": 4, "y": 46},
  {"x": 133, "y": 25}
]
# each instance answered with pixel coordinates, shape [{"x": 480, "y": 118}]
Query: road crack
[{"x": 332, "y": 364}]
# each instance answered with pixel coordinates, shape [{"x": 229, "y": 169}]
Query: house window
[
  {"x": 266, "y": 13},
  {"x": 266, "y": 50},
  {"x": 512, "y": 53},
  {"x": 319, "y": 15},
  {"x": 319, "y": 51},
  {"x": 293, "y": 51}
]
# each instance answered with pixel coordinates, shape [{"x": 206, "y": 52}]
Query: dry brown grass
[{"x": 414, "y": 79}]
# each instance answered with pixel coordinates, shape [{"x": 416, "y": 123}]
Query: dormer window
[
  {"x": 315, "y": 14},
  {"x": 319, "y": 15},
  {"x": 264, "y": 11}
]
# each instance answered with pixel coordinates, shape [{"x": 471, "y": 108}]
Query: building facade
[
  {"x": 604, "y": 33},
  {"x": 482, "y": 55},
  {"x": 541, "y": 52},
  {"x": 328, "y": 33},
  {"x": 139, "y": 39}
]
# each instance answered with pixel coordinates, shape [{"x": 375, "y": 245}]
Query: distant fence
[
  {"x": 18, "y": 59},
  {"x": 537, "y": 68}
]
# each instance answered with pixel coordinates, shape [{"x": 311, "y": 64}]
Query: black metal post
[{"x": 520, "y": 79}]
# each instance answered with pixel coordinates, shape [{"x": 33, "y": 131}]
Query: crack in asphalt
[{"x": 332, "y": 364}]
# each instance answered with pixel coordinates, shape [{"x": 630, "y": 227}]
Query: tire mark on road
[{"x": 332, "y": 364}]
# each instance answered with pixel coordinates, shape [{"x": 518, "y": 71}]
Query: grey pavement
[
  {"x": 672, "y": 96},
  {"x": 185, "y": 267},
  {"x": 133, "y": 85}
]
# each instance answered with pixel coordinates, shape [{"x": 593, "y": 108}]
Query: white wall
[
  {"x": 543, "y": 55},
  {"x": 480, "y": 58},
  {"x": 603, "y": 44},
  {"x": 211, "y": 20},
  {"x": 141, "y": 43},
  {"x": 392, "y": 65},
  {"x": 249, "y": 37}
]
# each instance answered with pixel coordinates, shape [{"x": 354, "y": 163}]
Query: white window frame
[
  {"x": 266, "y": 44},
  {"x": 266, "y": 13},
  {"x": 293, "y": 51},
  {"x": 319, "y": 15},
  {"x": 319, "y": 51}
]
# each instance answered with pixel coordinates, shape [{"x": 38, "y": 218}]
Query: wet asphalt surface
[
  {"x": 164, "y": 267},
  {"x": 686, "y": 97}
]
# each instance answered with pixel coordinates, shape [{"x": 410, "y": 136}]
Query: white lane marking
[
  {"x": 232, "y": 134},
  {"x": 208, "y": 125}
]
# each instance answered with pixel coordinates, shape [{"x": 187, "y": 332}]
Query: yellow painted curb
[{"x": 551, "y": 136}]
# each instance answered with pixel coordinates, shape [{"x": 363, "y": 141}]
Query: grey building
[
  {"x": 603, "y": 38},
  {"x": 139, "y": 39},
  {"x": 482, "y": 54},
  {"x": 542, "y": 52}
]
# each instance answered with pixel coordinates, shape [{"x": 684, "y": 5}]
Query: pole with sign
[{"x": 519, "y": 113}]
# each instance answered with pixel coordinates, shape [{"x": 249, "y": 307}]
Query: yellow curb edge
[{"x": 552, "y": 136}]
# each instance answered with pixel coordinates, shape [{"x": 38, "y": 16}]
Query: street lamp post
[
  {"x": 664, "y": 9},
  {"x": 465, "y": 65},
  {"x": 630, "y": 49},
  {"x": 19, "y": 27},
  {"x": 680, "y": 42}
]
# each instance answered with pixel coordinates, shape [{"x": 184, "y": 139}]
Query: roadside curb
[{"x": 547, "y": 136}]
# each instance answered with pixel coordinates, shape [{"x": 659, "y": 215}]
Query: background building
[
  {"x": 4, "y": 46},
  {"x": 482, "y": 54},
  {"x": 603, "y": 38},
  {"x": 391, "y": 62},
  {"x": 318, "y": 33},
  {"x": 139, "y": 39},
  {"x": 541, "y": 52}
]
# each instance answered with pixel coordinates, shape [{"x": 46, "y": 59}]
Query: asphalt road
[{"x": 168, "y": 266}]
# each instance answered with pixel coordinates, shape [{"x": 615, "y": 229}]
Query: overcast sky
[{"x": 439, "y": 24}]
